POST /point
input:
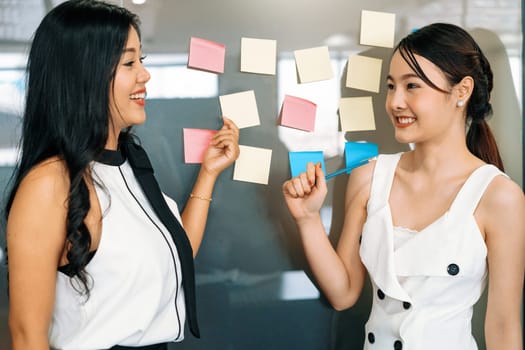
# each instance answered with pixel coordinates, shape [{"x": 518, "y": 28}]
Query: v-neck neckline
[{"x": 441, "y": 217}]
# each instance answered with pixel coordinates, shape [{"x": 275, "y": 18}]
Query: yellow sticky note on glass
[
  {"x": 313, "y": 64},
  {"x": 253, "y": 165},
  {"x": 377, "y": 28},
  {"x": 258, "y": 56},
  {"x": 363, "y": 73},
  {"x": 356, "y": 114},
  {"x": 241, "y": 107}
]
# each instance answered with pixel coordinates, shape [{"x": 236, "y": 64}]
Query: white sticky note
[
  {"x": 363, "y": 73},
  {"x": 377, "y": 28},
  {"x": 253, "y": 165},
  {"x": 313, "y": 64},
  {"x": 241, "y": 107},
  {"x": 258, "y": 56},
  {"x": 356, "y": 114}
]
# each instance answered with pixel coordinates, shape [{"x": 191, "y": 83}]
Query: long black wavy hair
[
  {"x": 71, "y": 66},
  {"x": 458, "y": 55}
]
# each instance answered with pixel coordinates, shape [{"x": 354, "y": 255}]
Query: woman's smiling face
[
  {"x": 417, "y": 110},
  {"x": 128, "y": 88}
]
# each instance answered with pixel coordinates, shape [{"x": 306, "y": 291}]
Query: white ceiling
[{"x": 168, "y": 24}]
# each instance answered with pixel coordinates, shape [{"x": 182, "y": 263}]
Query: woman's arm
[
  {"x": 223, "y": 151},
  {"x": 339, "y": 274},
  {"x": 502, "y": 214},
  {"x": 35, "y": 243}
]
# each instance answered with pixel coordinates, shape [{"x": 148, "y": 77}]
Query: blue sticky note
[
  {"x": 299, "y": 160},
  {"x": 357, "y": 152}
]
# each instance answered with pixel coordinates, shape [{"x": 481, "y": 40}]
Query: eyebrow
[
  {"x": 404, "y": 76},
  {"x": 131, "y": 49}
]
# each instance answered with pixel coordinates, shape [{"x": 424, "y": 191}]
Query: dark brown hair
[{"x": 456, "y": 53}]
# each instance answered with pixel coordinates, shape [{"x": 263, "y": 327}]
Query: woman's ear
[{"x": 463, "y": 90}]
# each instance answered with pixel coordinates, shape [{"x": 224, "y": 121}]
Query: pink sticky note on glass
[
  {"x": 196, "y": 142},
  {"x": 298, "y": 113},
  {"x": 206, "y": 55}
]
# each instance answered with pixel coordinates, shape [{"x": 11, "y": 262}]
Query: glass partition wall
[{"x": 253, "y": 284}]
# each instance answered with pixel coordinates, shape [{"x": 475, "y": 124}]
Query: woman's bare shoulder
[
  {"x": 50, "y": 177},
  {"x": 502, "y": 206},
  {"x": 45, "y": 186},
  {"x": 503, "y": 193},
  {"x": 38, "y": 214},
  {"x": 359, "y": 182}
]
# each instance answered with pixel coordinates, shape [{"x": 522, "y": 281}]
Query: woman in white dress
[
  {"x": 427, "y": 225},
  {"x": 98, "y": 257}
]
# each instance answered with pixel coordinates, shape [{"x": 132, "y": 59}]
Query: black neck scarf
[{"x": 143, "y": 171}]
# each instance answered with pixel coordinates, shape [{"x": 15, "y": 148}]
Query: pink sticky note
[
  {"x": 298, "y": 113},
  {"x": 196, "y": 142},
  {"x": 206, "y": 55}
]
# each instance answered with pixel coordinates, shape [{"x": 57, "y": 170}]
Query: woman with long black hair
[{"x": 93, "y": 262}]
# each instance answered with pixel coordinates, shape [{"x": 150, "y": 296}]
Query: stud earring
[{"x": 460, "y": 103}]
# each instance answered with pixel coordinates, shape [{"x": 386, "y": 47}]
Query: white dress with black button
[{"x": 425, "y": 283}]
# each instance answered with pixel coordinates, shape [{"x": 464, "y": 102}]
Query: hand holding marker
[
  {"x": 356, "y": 154},
  {"x": 347, "y": 169}
]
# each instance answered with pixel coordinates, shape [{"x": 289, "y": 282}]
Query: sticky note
[
  {"x": 356, "y": 114},
  {"x": 356, "y": 154},
  {"x": 363, "y": 73},
  {"x": 241, "y": 107},
  {"x": 258, "y": 56},
  {"x": 377, "y": 28},
  {"x": 196, "y": 142},
  {"x": 313, "y": 64},
  {"x": 298, "y": 113},
  {"x": 206, "y": 55},
  {"x": 358, "y": 151},
  {"x": 299, "y": 160},
  {"x": 253, "y": 165}
]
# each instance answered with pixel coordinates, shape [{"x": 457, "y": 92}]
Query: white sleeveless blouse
[
  {"x": 136, "y": 297},
  {"x": 424, "y": 286}
]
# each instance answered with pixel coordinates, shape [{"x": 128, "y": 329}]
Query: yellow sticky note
[
  {"x": 241, "y": 107},
  {"x": 313, "y": 64},
  {"x": 258, "y": 56},
  {"x": 356, "y": 114},
  {"x": 377, "y": 28},
  {"x": 364, "y": 73},
  {"x": 253, "y": 165}
]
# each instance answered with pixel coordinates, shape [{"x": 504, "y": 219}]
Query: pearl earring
[{"x": 460, "y": 103}]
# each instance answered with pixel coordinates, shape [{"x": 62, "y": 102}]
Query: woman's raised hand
[
  {"x": 305, "y": 194},
  {"x": 223, "y": 149}
]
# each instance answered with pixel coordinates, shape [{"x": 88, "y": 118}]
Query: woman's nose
[
  {"x": 395, "y": 99},
  {"x": 144, "y": 76}
]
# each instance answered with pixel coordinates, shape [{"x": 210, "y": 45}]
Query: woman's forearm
[{"x": 195, "y": 214}]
